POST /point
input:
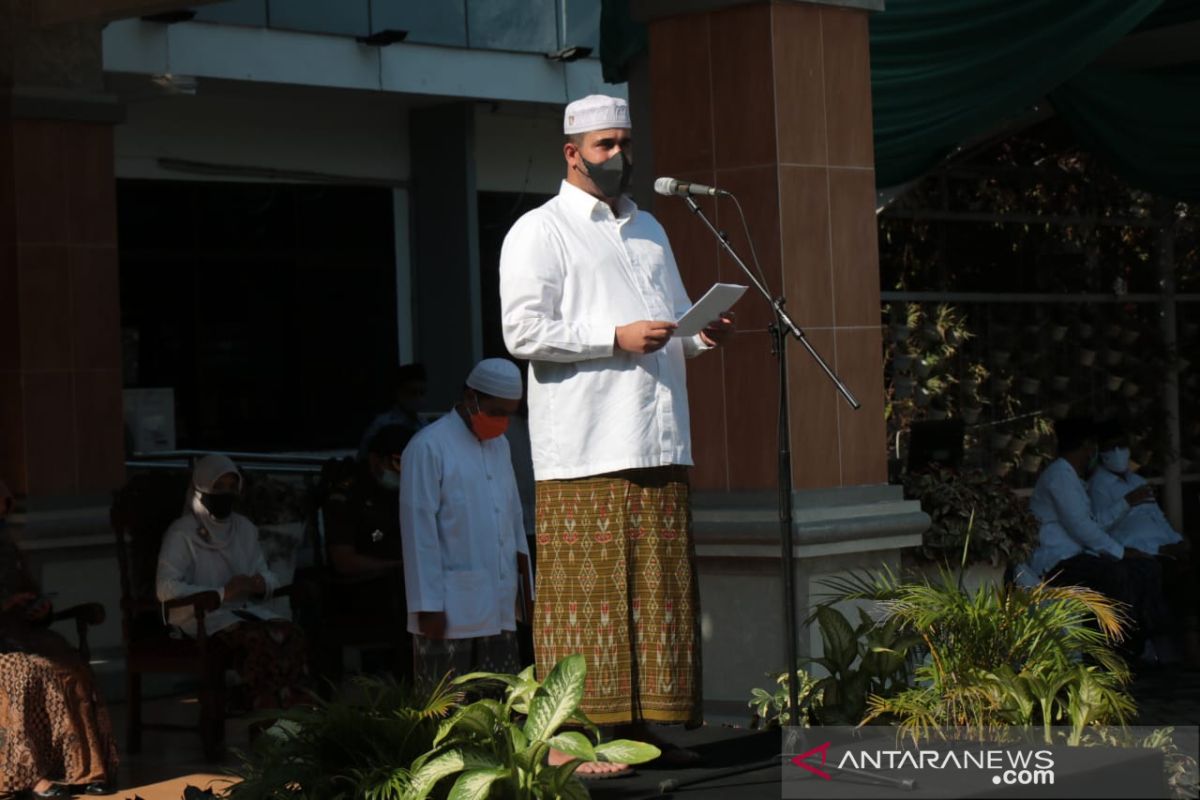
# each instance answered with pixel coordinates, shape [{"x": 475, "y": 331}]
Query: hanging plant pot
[
  {"x": 970, "y": 414},
  {"x": 1016, "y": 445},
  {"x": 1001, "y": 383},
  {"x": 1087, "y": 357},
  {"x": 999, "y": 440},
  {"x": 1000, "y": 357},
  {"x": 1031, "y": 462},
  {"x": 902, "y": 362},
  {"x": 1030, "y": 385},
  {"x": 1113, "y": 357},
  {"x": 1085, "y": 330},
  {"x": 936, "y": 414},
  {"x": 969, "y": 385},
  {"x": 1001, "y": 468},
  {"x": 922, "y": 398},
  {"x": 1060, "y": 410},
  {"x": 1129, "y": 337},
  {"x": 904, "y": 386},
  {"x": 1061, "y": 382},
  {"x": 922, "y": 368},
  {"x": 899, "y": 333},
  {"x": 1130, "y": 389},
  {"x": 1058, "y": 333},
  {"x": 1114, "y": 382}
]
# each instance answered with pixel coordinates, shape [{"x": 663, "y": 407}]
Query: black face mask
[
  {"x": 219, "y": 505},
  {"x": 611, "y": 177}
]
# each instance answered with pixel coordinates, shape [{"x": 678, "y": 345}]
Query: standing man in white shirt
[
  {"x": 463, "y": 539},
  {"x": 589, "y": 293},
  {"x": 1075, "y": 549}
]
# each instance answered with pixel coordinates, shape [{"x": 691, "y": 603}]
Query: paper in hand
[{"x": 716, "y": 300}]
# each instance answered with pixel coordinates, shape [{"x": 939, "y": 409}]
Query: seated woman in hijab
[
  {"x": 211, "y": 548},
  {"x": 54, "y": 730}
]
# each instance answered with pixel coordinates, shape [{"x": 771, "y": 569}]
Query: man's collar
[{"x": 587, "y": 205}]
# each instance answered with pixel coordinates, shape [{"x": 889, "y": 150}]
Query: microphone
[{"x": 670, "y": 186}]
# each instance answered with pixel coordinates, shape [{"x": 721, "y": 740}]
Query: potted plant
[{"x": 1001, "y": 529}]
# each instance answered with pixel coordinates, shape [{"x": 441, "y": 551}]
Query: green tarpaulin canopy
[{"x": 944, "y": 72}]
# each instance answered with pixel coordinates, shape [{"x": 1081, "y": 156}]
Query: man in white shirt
[
  {"x": 463, "y": 540},
  {"x": 589, "y": 294},
  {"x": 1074, "y": 548},
  {"x": 1124, "y": 500}
]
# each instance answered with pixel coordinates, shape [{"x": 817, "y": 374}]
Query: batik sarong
[{"x": 616, "y": 581}]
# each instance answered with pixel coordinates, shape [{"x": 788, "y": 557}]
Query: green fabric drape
[
  {"x": 944, "y": 71},
  {"x": 1145, "y": 124}
]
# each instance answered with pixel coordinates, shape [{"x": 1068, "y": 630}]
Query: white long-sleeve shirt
[
  {"x": 1061, "y": 504},
  {"x": 188, "y": 564},
  {"x": 1144, "y": 526},
  {"x": 571, "y": 272},
  {"x": 460, "y": 522}
]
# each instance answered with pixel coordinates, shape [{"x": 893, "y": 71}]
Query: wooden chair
[
  {"x": 85, "y": 615},
  {"x": 141, "y": 513}
]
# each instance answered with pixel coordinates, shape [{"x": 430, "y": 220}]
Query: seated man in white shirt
[
  {"x": 1125, "y": 503},
  {"x": 1124, "y": 500},
  {"x": 463, "y": 538},
  {"x": 1075, "y": 549}
]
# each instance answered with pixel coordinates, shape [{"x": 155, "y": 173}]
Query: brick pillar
[
  {"x": 61, "y": 427},
  {"x": 772, "y": 101}
]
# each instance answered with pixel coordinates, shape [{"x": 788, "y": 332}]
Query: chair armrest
[
  {"x": 88, "y": 613},
  {"x": 200, "y": 601}
]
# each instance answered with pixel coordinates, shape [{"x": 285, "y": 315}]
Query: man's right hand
[
  {"x": 238, "y": 587},
  {"x": 644, "y": 336},
  {"x": 432, "y": 624},
  {"x": 1142, "y": 494}
]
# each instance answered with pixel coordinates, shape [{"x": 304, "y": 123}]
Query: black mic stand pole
[{"x": 780, "y": 330}]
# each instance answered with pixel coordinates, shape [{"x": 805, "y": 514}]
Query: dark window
[{"x": 270, "y": 309}]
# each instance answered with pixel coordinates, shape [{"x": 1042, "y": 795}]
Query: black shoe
[
  {"x": 98, "y": 787},
  {"x": 55, "y": 790}
]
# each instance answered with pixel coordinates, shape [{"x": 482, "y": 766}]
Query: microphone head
[{"x": 665, "y": 185}]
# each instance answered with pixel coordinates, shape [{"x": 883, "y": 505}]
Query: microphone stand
[{"x": 783, "y": 327}]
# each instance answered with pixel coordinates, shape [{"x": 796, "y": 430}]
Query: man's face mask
[
  {"x": 611, "y": 177},
  {"x": 485, "y": 426},
  {"x": 219, "y": 505},
  {"x": 1116, "y": 460},
  {"x": 389, "y": 480}
]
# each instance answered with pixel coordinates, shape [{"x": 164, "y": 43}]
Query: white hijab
[{"x": 212, "y": 532}]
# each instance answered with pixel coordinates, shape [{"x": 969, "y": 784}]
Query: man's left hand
[{"x": 719, "y": 331}]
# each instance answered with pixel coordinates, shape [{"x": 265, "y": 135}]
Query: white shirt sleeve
[
  {"x": 420, "y": 497},
  {"x": 531, "y": 286},
  {"x": 1073, "y": 510},
  {"x": 1108, "y": 502},
  {"x": 173, "y": 578}
]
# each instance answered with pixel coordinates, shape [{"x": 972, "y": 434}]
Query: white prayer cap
[
  {"x": 498, "y": 377},
  {"x": 596, "y": 112}
]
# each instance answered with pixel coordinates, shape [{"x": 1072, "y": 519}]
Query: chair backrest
[{"x": 142, "y": 510}]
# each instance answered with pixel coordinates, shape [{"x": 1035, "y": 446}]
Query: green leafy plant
[
  {"x": 771, "y": 707},
  {"x": 1000, "y": 656},
  {"x": 970, "y": 509},
  {"x": 498, "y": 749},
  {"x": 861, "y": 661}
]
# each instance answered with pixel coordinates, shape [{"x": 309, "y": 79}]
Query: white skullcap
[
  {"x": 596, "y": 112},
  {"x": 498, "y": 377}
]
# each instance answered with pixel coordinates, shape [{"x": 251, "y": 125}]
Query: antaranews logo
[{"x": 832, "y": 762}]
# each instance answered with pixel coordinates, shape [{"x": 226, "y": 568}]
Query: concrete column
[
  {"x": 61, "y": 439},
  {"x": 445, "y": 234},
  {"x": 772, "y": 101}
]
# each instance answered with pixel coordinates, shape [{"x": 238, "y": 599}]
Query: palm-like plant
[
  {"x": 1001, "y": 656},
  {"x": 344, "y": 749}
]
